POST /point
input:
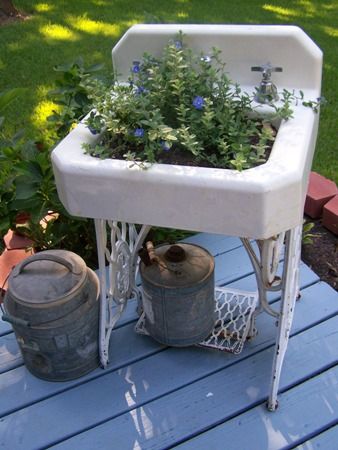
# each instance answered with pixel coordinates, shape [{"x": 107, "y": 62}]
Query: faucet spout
[{"x": 267, "y": 91}]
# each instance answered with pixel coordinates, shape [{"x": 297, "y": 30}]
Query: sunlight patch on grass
[
  {"x": 58, "y": 33},
  {"x": 309, "y": 7},
  {"x": 100, "y": 2},
  {"x": 43, "y": 7},
  {"x": 182, "y": 15},
  {"x": 94, "y": 27},
  {"x": 279, "y": 10},
  {"x": 331, "y": 31},
  {"x": 42, "y": 110},
  {"x": 328, "y": 67},
  {"x": 14, "y": 46},
  {"x": 328, "y": 6}
]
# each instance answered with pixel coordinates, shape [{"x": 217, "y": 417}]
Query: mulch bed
[{"x": 322, "y": 255}]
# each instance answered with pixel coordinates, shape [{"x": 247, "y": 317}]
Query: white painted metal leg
[
  {"x": 265, "y": 260},
  {"x": 118, "y": 280},
  {"x": 290, "y": 289},
  {"x": 100, "y": 242}
]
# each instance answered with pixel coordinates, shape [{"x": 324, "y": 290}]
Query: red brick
[
  {"x": 330, "y": 215},
  {"x": 320, "y": 191},
  {"x": 8, "y": 260},
  {"x": 14, "y": 241}
]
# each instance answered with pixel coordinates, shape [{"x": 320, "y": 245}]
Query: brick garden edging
[
  {"x": 322, "y": 201},
  {"x": 17, "y": 248}
]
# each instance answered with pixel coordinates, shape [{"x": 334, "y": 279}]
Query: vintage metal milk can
[
  {"x": 178, "y": 293},
  {"x": 52, "y": 302}
]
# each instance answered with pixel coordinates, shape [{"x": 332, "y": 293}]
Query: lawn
[{"x": 58, "y": 31}]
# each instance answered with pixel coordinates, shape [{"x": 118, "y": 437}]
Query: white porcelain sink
[{"x": 256, "y": 203}]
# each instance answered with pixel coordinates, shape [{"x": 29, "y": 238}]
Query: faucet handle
[
  {"x": 267, "y": 91},
  {"x": 267, "y": 69}
]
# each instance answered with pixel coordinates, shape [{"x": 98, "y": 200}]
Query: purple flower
[
  {"x": 165, "y": 146},
  {"x": 136, "y": 67},
  {"x": 198, "y": 102},
  {"x": 178, "y": 45},
  {"x": 139, "y": 132}
]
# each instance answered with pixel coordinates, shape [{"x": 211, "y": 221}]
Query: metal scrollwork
[
  {"x": 270, "y": 252},
  {"x": 118, "y": 244}
]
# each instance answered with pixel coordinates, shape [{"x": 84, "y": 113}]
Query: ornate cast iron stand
[{"x": 118, "y": 244}]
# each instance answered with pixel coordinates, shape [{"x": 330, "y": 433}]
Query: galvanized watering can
[
  {"x": 52, "y": 303},
  {"x": 178, "y": 293}
]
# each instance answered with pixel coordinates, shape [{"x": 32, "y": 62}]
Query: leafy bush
[
  {"x": 72, "y": 94},
  {"x": 27, "y": 187}
]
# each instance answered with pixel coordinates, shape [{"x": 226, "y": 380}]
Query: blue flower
[
  {"x": 141, "y": 90},
  {"x": 93, "y": 130},
  {"x": 178, "y": 45},
  {"x": 139, "y": 132},
  {"x": 136, "y": 67},
  {"x": 165, "y": 146},
  {"x": 198, "y": 102}
]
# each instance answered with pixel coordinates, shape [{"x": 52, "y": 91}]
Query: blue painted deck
[{"x": 153, "y": 397}]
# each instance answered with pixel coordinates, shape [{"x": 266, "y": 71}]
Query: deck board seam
[
  {"x": 259, "y": 403},
  {"x": 240, "y": 411},
  {"x": 157, "y": 351},
  {"x": 218, "y": 422},
  {"x": 313, "y": 435}
]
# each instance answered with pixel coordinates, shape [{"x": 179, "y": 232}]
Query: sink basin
[{"x": 256, "y": 203}]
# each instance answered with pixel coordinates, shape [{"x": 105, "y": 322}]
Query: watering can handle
[{"x": 45, "y": 257}]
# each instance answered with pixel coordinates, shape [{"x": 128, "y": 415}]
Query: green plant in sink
[{"x": 182, "y": 108}]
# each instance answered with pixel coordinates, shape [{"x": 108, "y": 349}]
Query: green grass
[{"x": 58, "y": 31}]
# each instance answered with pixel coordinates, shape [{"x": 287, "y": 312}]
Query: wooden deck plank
[
  {"x": 147, "y": 392},
  {"x": 197, "y": 406},
  {"x": 328, "y": 440},
  {"x": 194, "y": 403},
  {"x": 312, "y": 401},
  {"x": 127, "y": 347},
  {"x": 216, "y": 244},
  {"x": 10, "y": 356}
]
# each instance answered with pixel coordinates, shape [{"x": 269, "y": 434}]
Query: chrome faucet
[{"x": 267, "y": 91}]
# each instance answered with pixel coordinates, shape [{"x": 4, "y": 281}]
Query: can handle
[
  {"x": 45, "y": 257},
  {"x": 15, "y": 320}
]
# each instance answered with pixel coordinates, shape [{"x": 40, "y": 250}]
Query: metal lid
[
  {"x": 180, "y": 265},
  {"x": 47, "y": 277}
]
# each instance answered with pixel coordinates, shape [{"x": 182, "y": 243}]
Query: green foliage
[
  {"x": 182, "y": 102},
  {"x": 71, "y": 94},
  {"x": 307, "y": 236},
  {"x": 28, "y": 190},
  {"x": 8, "y": 96}
]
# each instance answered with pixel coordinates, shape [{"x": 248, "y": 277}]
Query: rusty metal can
[{"x": 178, "y": 294}]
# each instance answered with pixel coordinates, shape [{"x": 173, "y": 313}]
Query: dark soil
[
  {"x": 322, "y": 255},
  {"x": 7, "y": 17}
]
